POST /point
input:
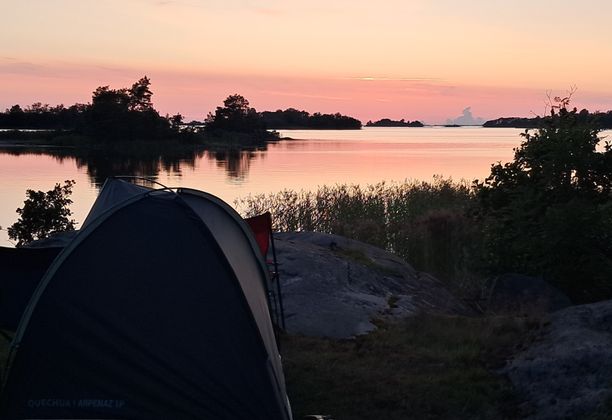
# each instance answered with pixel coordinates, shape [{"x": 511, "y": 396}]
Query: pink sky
[{"x": 407, "y": 59}]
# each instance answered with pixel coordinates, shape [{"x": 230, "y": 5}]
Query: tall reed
[{"x": 426, "y": 223}]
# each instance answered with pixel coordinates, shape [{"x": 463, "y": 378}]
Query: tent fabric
[
  {"x": 113, "y": 192},
  {"x": 245, "y": 259},
  {"x": 144, "y": 315},
  {"x": 21, "y": 269}
]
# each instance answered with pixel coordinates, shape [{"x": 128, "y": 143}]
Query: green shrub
[
  {"x": 42, "y": 214},
  {"x": 549, "y": 211}
]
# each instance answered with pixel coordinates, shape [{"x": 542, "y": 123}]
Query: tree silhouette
[
  {"x": 140, "y": 95},
  {"x": 236, "y": 115},
  {"x": 42, "y": 214},
  {"x": 126, "y": 114},
  {"x": 293, "y": 118}
]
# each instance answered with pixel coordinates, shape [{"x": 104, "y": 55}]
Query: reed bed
[{"x": 426, "y": 223}]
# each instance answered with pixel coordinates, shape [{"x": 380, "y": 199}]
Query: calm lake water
[{"x": 311, "y": 159}]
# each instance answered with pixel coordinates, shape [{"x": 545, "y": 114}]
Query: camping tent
[
  {"x": 20, "y": 272},
  {"x": 157, "y": 309}
]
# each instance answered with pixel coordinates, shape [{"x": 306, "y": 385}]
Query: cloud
[
  {"x": 466, "y": 119},
  {"x": 394, "y": 79},
  {"x": 12, "y": 66}
]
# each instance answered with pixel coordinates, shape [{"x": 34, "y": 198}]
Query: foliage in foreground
[
  {"x": 549, "y": 211},
  {"x": 42, "y": 214},
  {"x": 423, "y": 367}
]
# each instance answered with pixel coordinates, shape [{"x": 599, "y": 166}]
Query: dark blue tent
[
  {"x": 20, "y": 272},
  {"x": 156, "y": 310}
]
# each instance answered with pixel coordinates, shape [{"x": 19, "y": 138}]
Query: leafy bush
[
  {"x": 43, "y": 213},
  {"x": 549, "y": 212}
]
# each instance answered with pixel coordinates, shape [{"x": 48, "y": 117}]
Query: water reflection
[
  {"x": 236, "y": 163},
  {"x": 312, "y": 159},
  {"x": 101, "y": 164}
]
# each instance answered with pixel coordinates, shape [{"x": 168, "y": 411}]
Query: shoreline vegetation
[{"x": 601, "y": 120}]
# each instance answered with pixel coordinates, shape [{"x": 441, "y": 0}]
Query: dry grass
[{"x": 428, "y": 367}]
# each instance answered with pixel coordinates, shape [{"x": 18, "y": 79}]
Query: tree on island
[
  {"x": 140, "y": 95},
  {"x": 549, "y": 211},
  {"x": 333, "y": 121},
  {"x": 127, "y": 114},
  {"x": 386, "y": 122},
  {"x": 113, "y": 115},
  {"x": 43, "y": 116},
  {"x": 15, "y": 116},
  {"x": 236, "y": 115},
  {"x": 293, "y": 118},
  {"x": 601, "y": 120}
]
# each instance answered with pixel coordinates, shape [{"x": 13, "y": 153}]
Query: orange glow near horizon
[
  {"x": 430, "y": 101},
  {"x": 412, "y": 59}
]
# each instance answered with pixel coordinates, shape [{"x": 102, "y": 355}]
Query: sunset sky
[{"x": 412, "y": 59}]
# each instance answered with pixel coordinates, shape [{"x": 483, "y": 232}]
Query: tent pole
[{"x": 278, "y": 286}]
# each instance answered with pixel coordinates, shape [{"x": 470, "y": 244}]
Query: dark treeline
[
  {"x": 43, "y": 116},
  {"x": 127, "y": 114},
  {"x": 386, "y": 122},
  {"x": 601, "y": 120},
  {"x": 114, "y": 114},
  {"x": 293, "y": 118}
]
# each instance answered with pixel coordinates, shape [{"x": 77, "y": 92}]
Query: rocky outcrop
[
  {"x": 335, "y": 287},
  {"x": 567, "y": 371}
]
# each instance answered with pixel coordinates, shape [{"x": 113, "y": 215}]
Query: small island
[
  {"x": 601, "y": 120},
  {"x": 292, "y": 118},
  {"x": 386, "y": 122},
  {"x": 513, "y": 122}
]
